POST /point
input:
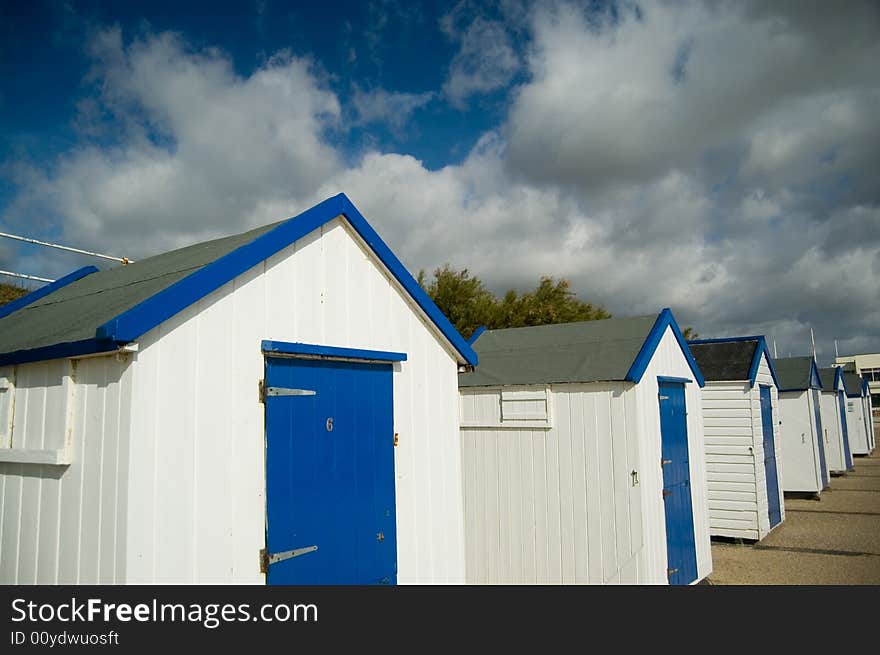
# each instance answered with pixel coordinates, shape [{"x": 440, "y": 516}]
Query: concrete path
[{"x": 835, "y": 540}]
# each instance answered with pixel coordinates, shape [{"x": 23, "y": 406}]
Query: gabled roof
[
  {"x": 797, "y": 373},
  {"x": 732, "y": 358},
  {"x": 100, "y": 311},
  {"x": 591, "y": 351},
  {"x": 853, "y": 383},
  {"x": 831, "y": 377}
]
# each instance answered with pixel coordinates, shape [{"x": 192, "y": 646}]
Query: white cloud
[
  {"x": 391, "y": 108},
  {"x": 485, "y": 61}
]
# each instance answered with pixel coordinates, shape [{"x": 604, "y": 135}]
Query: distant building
[{"x": 868, "y": 366}]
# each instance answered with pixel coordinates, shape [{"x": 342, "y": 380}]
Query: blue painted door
[
  {"x": 770, "y": 472},
  {"x": 681, "y": 551},
  {"x": 846, "y": 451},
  {"x": 330, "y": 472},
  {"x": 820, "y": 435}
]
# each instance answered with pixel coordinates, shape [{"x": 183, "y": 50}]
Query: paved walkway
[{"x": 835, "y": 540}]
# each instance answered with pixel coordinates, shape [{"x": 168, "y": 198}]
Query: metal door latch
[
  {"x": 380, "y": 536},
  {"x": 635, "y": 477},
  {"x": 282, "y": 391},
  {"x": 267, "y": 559}
]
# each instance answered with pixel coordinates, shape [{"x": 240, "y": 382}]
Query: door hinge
[
  {"x": 671, "y": 572},
  {"x": 666, "y": 493},
  {"x": 396, "y": 440},
  {"x": 264, "y": 559},
  {"x": 262, "y": 391}
]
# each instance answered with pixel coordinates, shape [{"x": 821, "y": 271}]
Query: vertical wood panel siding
[
  {"x": 209, "y": 525},
  {"x": 737, "y": 488},
  {"x": 61, "y": 524},
  {"x": 558, "y": 505},
  {"x": 800, "y": 463},
  {"x": 855, "y": 425},
  {"x": 832, "y": 431}
]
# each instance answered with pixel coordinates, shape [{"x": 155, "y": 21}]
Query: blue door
[
  {"x": 681, "y": 550},
  {"x": 846, "y": 451},
  {"x": 820, "y": 435},
  {"x": 329, "y": 473},
  {"x": 770, "y": 457}
]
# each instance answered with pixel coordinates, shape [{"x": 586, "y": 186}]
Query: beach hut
[
  {"x": 834, "y": 423},
  {"x": 741, "y": 419},
  {"x": 277, "y": 406},
  {"x": 856, "y": 416},
  {"x": 582, "y": 455},
  {"x": 804, "y": 466}
]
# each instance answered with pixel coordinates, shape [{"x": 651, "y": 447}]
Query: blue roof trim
[
  {"x": 476, "y": 335},
  {"x": 664, "y": 320},
  {"x": 839, "y": 384},
  {"x": 760, "y": 351},
  {"x": 815, "y": 378},
  {"x": 288, "y": 348},
  {"x": 143, "y": 317},
  {"x": 58, "y": 351},
  {"x": 666, "y": 378},
  {"x": 45, "y": 290}
]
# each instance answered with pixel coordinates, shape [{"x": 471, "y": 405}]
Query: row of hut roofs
[{"x": 287, "y": 406}]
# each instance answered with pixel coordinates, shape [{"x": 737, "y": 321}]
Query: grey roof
[
  {"x": 853, "y": 383},
  {"x": 589, "y": 351},
  {"x": 794, "y": 373},
  {"x": 725, "y": 360},
  {"x": 74, "y": 312},
  {"x": 828, "y": 376}
]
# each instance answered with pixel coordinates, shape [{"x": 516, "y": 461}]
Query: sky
[{"x": 718, "y": 158}]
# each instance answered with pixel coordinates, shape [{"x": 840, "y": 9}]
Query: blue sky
[{"x": 722, "y": 159}]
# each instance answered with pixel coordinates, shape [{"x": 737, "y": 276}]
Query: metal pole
[
  {"x": 813, "y": 340},
  {"x": 836, "y": 354},
  {"x": 124, "y": 260},
  {"x": 775, "y": 354},
  {"x": 26, "y": 277}
]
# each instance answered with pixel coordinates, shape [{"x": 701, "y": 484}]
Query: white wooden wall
[
  {"x": 833, "y": 434},
  {"x": 554, "y": 506},
  {"x": 668, "y": 360},
  {"x": 855, "y": 423},
  {"x": 66, "y": 524},
  {"x": 559, "y": 506},
  {"x": 738, "y": 503},
  {"x": 800, "y": 464},
  {"x": 197, "y": 483}
]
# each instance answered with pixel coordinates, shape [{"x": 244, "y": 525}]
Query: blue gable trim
[
  {"x": 476, "y": 335},
  {"x": 664, "y": 320},
  {"x": 146, "y": 315},
  {"x": 45, "y": 290},
  {"x": 58, "y": 351},
  {"x": 287, "y": 348},
  {"x": 760, "y": 351},
  {"x": 815, "y": 380}
]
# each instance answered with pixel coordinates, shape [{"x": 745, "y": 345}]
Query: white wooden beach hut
[
  {"x": 741, "y": 419},
  {"x": 834, "y": 422},
  {"x": 277, "y": 406},
  {"x": 856, "y": 416},
  {"x": 582, "y": 453},
  {"x": 804, "y": 466}
]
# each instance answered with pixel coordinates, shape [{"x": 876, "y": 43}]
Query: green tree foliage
[
  {"x": 468, "y": 304},
  {"x": 8, "y": 293},
  {"x": 689, "y": 334}
]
